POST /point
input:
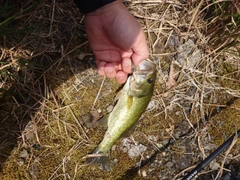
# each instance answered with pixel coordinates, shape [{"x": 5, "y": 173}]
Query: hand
[{"x": 115, "y": 37}]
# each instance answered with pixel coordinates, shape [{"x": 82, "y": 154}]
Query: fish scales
[{"x": 129, "y": 116}]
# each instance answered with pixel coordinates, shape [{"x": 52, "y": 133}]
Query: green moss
[{"x": 225, "y": 123}]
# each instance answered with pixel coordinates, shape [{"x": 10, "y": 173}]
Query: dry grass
[{"x": 49, "y": 86}]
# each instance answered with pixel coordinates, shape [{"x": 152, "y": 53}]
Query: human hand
[{"x": 115, "y": 37}]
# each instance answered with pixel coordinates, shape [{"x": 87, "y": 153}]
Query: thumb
[{"x": 140, "y": 49}]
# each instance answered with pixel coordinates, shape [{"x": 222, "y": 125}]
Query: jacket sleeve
[{"x": 87, "y": 6}]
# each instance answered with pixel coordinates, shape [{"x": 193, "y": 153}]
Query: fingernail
[{"x": 109, "y": 70}]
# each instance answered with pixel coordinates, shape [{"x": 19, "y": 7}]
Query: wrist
[
  {"x": 115, "y": 5},
  {"x": 87, "y": 6}
]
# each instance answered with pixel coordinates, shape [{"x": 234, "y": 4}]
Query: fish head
[{"x": 143, "y": 79}]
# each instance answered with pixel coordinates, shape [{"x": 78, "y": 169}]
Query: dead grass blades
[{"x": 48, "y": 86}]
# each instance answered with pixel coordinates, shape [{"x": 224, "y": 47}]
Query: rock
[
  {"x": 173, "y": 41},
  {"x": 81, "y": 56},
  {"x": 181, "y": 129},
  {"x": 136, "y": 150},
  {"x": 238, "y": 176},
  {"x": 152, "y": 104},
  {"x": 153, "y": 138},
  {"x": 36, "y": 147},
  {"x": 20, "y": 162},
  {"x": 133, "y": 148},
  {"x": 181, "y": 162},
  {"x": 159, "y": 145},
  {"x": 226, "y": 177},
  {"x": 169, "y": 164},
  {"x": 165, "y": 142},
  {"x": 189, "y": 54},
  {"x": 115, "y": 162},
  {"x": 23, "y": 154},
  {"x": 114, "y": 147},
  {"x": 144, "y": 173},
  {"x": 214, "y": 166}
]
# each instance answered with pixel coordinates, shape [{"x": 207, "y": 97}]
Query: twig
[{"x": 98, "y": 92}]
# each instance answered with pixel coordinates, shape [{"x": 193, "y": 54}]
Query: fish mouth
[
  {"x": 144, "y": 70},
  {"x": 145, "y": 66}
]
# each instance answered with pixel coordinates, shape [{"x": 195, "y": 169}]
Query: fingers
[
  {"x": 121, "y": 77},
  {"x": 112, "y": 70},
  {"x": 127, "y": 65},
  {"x": 100, "y": 67},
  {"x": 107, "y": 69}
]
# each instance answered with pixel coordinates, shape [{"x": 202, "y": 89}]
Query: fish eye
[{"x": 150, "y": 81}]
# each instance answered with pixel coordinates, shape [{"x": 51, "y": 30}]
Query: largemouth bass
[{"x": 132, "y": 102}]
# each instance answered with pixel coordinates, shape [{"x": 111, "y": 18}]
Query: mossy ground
[{"x": 52, "y": 91}]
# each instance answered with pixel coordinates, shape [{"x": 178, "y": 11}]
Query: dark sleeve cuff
[{"x": 87, "y": 6}]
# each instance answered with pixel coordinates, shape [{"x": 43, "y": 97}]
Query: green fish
[{"x": 133, "y": 100}]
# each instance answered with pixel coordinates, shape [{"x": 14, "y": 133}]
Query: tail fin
[{"x": 97, "y": 157}]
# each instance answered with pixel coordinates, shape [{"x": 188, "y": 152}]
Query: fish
[{"x": 132, "y": 102}]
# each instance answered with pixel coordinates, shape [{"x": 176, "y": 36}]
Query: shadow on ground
[{"x": 33, "y": 46}]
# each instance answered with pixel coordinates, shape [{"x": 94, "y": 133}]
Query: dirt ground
[{"x": 52, "y": 90}]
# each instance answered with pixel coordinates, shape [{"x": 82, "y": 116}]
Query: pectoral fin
[
  {"x": 118, "y": 95},
  {"x": 103, "y": 121}
]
